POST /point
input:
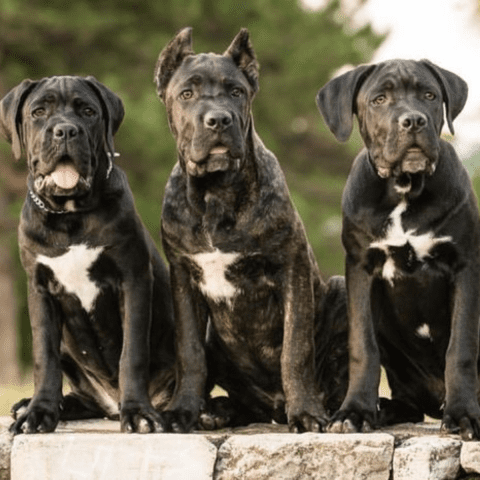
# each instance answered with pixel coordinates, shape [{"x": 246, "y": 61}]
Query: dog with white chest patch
[
  {"x": 252, "y": 311},
  {"x": 99, "y": 296},
  {"x": 411, "y": 232}
]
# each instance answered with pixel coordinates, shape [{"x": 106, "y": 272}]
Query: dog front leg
[
  {"x": 358, "y": 411},
  {"x": 190, "y": 327},
  {"x": 43, "y": 410},
  {"x": 305, "y": 411},
  {"x": 462, "y": 411},
  {"x": 136, "y": 411}
]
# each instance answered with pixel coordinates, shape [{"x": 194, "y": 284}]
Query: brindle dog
[{"x": 247, "y": 289}]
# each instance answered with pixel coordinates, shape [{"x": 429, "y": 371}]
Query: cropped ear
[
  {"x": 241, "y": 52},
  {"x": 336, "y": 100},
  {"x": 454, "y": 90},
  {"x": 112, "y": 110},
  {"x": 170, "y": 59},
  {"x": 11, "y": 114}
]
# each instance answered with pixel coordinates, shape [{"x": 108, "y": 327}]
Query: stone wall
[{"x": 94, "y": 450}]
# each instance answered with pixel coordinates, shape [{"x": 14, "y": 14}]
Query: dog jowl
[
  {"x": 251, "y": 308},
  {"x": 98, "y": 292},
  {"x": 411, "y": 232}
]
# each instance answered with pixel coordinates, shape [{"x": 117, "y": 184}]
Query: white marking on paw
[
  {"x": 396, "y": 236},
  {"x": 424, "y": 331},
  {"x": 72, "y": 271},
  {"x": 214, "y": 283}
]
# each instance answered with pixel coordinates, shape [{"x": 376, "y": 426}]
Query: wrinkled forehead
[
  {"x": 207, "y": 69},
  {"x": 63, "y": 90},
  {"x": 402, "y": 75}
]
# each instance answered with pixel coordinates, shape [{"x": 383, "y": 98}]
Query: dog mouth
[
  {"x": 64, "y": 180},
  {"x": 219, "y": 150},
  {"x": 412, "y": 160},
  {"x": 218, "y": 159},
  {"x": 415, "y": 161},
  {"x": 65, "y": 176}
]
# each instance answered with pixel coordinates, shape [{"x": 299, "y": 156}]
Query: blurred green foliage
[{"x": 118, "y": 41}]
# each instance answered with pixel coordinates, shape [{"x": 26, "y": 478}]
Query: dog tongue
[{"x": 65, "y": 176}]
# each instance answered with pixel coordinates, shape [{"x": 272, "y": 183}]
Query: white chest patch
[
  {"x": 214, "y": 283},
  {"x": 396, "y": 236},
  {"x": 72, "y": 271}
]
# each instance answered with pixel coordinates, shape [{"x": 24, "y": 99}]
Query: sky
[{"x": 447, "y": 32}]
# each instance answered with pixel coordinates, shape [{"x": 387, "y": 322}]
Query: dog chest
[
  {"x": 402, "y": 251},
  {"x": 72, "y": 271},
  {"x": 214, "y": 267}
]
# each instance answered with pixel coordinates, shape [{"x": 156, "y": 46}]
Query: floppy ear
[
  {"x": 241, "y": 51},
  {"x": 336, "y": 100},
  {"x": 454, "y": 90},
  {"x": 170, "y": 59},
  {"x": 11, "y": 114},
  {"x": 112, "y": 110}
]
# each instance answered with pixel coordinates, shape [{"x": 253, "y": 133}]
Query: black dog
[
  {"x": 411, "y": 233},
  {"x": 99, "y": 296},
  {"x": 244, "y": 279}
]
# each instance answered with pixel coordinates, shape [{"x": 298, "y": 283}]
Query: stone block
[
  {"x": 97, "y": 456},
  {"x": 470, "y": 457},
  {"x": 6, "y": 441},
  {"x": 307, "y": 456},
  {"x": 428, "y": 458}
]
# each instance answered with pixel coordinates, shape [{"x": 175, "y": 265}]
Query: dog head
[
  {"x": 399, "y": 106},
  {"x": 208, "y": 99},
  {"x": 65, "y": 125}
]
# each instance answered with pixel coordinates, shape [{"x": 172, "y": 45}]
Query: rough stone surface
[
  {"x": 428, "y": 458},
  {"x": 96, "y": 450},
  {"x": 6, "y": 440},
  {"x": 5, "y": 450},
  {"x": 470, "y": 457},
  {"x": 306, "y": 456},
  {"x": 98, "y": 456}
]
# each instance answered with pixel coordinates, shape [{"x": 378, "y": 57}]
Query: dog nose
[
  {"x": 412, "y": 121},
  {"x": 217, "y": 120},
  {"x": 65, "y": 131}
]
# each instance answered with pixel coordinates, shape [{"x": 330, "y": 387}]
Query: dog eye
[
  {"x": 89, "y": 112},
  {"x": 430, "y": 96},
  {"x": 379, "y": 99},
  {"x": 186, "y": 94},
  {"x": 38, "y": 112},
  {"x": 236, "y": 92}
]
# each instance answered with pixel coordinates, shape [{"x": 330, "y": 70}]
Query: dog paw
[
  {"x": 307, "y": 419},
  {"x": 179, "y": 420},
  {"x": 183, "y": 414},
  {"x": 351, "y": 421},
  {"x": 467, "y": 426},
  {"x": 219, "y": 414},
  {"x": 140, "y": 419},
  {"x": 306, "y": 423},
  {"x": 34, "y": 419}
]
